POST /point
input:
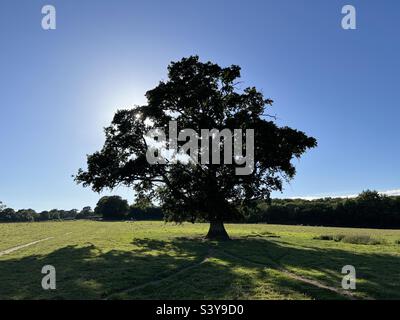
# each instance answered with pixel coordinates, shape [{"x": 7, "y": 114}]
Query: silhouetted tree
[
  {"x": 198, "y": 96},
  {"x": 86, "y": 212},
  {"x": 112, "y": 208},
  {"x": 26, "y": 215},
  {"x": 8, "y": 214},
  {"x": 2, "y": 206}
]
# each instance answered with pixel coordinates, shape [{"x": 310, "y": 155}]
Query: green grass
[{"x": 153, "y": 260}]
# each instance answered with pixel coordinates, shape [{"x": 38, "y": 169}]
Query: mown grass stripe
[{"x": 8, "y": 251}]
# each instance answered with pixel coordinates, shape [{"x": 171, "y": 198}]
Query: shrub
[
  {"x": 361, "y": 239},
  {"x": 354, "y": 239},
  {"x": 339, "y": 237},
  {"x": 324, "y": 237}
]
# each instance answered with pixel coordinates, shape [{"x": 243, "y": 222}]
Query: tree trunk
[{"x": 217, "y": 231}]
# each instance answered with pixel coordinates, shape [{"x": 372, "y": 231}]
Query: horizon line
[{"x": 390, "y": 193}]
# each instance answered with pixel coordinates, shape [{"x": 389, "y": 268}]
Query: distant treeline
[
  {"x": 368, "y": 210},
  {"x": 30, "y": 215},
  {"x": 113, "y": 205}
]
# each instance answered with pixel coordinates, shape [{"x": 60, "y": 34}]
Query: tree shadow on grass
[
  {"x": 183, "y": 268},
  {"x": 377, "y": 274}
]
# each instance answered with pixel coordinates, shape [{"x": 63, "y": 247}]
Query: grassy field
[{"x": 153, "y": 260}]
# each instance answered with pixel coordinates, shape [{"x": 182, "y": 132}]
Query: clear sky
[{"x": 59, "y": 88}]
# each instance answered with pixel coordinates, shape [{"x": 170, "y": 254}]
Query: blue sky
[{"x": 59, "y": 88}]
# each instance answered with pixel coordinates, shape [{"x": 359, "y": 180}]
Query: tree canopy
[
  {"x": 199, "y": 96},
  {"x": 112, "y": 208}
]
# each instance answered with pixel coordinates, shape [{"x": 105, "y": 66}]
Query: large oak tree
[{"x": 198, "y": 96}]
